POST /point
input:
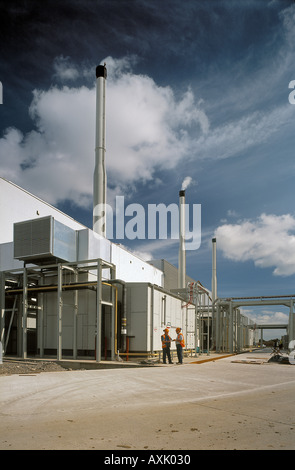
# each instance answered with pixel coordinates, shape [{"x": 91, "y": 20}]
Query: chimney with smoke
[
  {"x": 214, "y": 276},
  {"x": 181, "y": 253},
  {"x": 186, "y": 182}
]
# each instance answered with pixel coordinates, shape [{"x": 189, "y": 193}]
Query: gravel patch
[{"x": 22, "y": 367}]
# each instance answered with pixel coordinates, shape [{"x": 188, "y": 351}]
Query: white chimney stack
[
  {"x": 181, "y": 254},
  {"x": 214, "y": 277},
  {"x": 99, "y": 178}
]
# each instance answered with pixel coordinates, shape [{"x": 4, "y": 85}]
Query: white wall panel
[{"x": 17, "y": 205}]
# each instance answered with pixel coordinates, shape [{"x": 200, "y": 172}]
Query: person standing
[
  {"x": 166, "y": 344},
  {"x": 179, "y": 345}
]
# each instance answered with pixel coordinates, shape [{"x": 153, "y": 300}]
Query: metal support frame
[
  {"x": 114, "y": 344},
  {"x": 291, "y": 329},
  {"x": 204, "y": 315},
  {"x": 10, "y": 324},
  {"x": 2, "y": 307},
  {"x": 25, "y": 313},
  {"x": 41, "y": 321},
  {"x": 75, "y": 319},
  {"x": 86, "y": 265},
  {"x": 231, "y": 327},
  {"x": 59, "y": 308},
  {"x": 98, "y": 311}
]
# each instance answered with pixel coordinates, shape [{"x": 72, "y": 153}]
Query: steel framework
[
  {"x": 231, "y": 327},
  {"x": 21, "y": 282}
]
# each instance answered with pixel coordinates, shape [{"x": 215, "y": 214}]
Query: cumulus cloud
[
  {"x": 55, "y": 160},
  {"x": 268, "y": 241},
  {"x": 267, "y": 316},
  {"x": 147, "y": 128}
]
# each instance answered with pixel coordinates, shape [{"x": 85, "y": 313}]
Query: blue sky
[{"x": 195, "y": 88}]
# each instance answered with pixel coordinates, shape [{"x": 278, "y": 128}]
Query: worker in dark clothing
[{"x": 166, "y": 344}]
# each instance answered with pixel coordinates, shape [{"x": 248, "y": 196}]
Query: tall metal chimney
[
  {"x": 99, "y": 177},
  {"x": 181, "y": 254},
  {"x": 214, "y": 277}
]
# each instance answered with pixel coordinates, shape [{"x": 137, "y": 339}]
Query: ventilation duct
[{"x": 44, "y": 240}]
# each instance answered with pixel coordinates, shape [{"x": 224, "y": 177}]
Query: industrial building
[
  {"x": 66, "y": 291},
  {"x": 59, "y": 280}
]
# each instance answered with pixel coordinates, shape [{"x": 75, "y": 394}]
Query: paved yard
[{"x": 239, "y": 402}]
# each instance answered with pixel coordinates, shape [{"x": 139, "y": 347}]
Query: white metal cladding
[
  {"x": 92, "y": 246},
  {"x": 131, "y": 268},
  {"x": 137, "y": 316},
  {"x": 18, "y": 205},
  {"x": 64, "y": 242},
  {"x": 7, "y": 261},
  {"x": 150, "y": 310},
  {"x": 170, "y": 273}
]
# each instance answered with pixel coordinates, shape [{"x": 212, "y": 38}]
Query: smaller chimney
[
  {"x": 181, "y": 254},
  {"x": 214, "y": 277}
]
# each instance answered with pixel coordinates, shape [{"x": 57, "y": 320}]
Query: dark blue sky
[{"x": 195, "y": 88}]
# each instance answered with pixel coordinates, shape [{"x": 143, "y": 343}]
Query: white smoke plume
[{"x": 186, "y": 182}]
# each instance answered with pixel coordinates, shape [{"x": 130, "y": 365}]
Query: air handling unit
[{"x": 44, "y": 240}]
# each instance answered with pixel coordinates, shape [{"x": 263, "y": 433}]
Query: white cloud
[
  {"x": 147, "y": 128},
  {"x": 64, "y": 69},
  {"x": 56, "y": 160},
  {"x": 266, "y": 316},
  {"x": 268, "y": 241},
  {"x": 237, "y": 136},
  {"x": 288, "y": 20}
]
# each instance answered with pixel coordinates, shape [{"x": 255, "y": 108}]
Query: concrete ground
[{"x": 237, "y": 402}]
